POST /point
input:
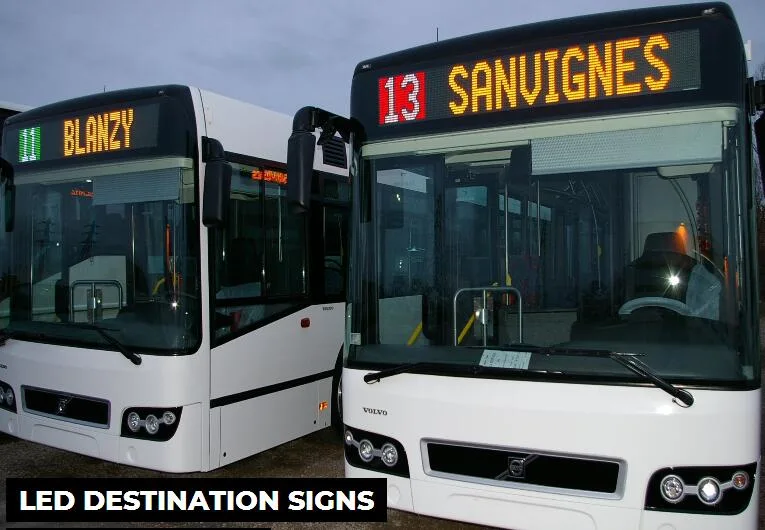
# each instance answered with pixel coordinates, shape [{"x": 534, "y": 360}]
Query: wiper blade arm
[
  {"x": 375, "y": 377},
  {"x": 129, "y": 355},
  {"x": 637, "y": 366},
  {"x": 631, "y": 362}
]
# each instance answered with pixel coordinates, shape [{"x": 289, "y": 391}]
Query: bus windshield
[
  {"x": 111, "y": 245},
  {"x": 622, "y": 234}
]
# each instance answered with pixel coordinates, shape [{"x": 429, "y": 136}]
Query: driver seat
[{"x": 664, "y": 256}]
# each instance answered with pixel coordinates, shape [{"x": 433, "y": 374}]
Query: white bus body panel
[
  {"x": 639, "y": 425},
  {"x": 288, "y": 370},
  {"x": 158, "y": 381}
]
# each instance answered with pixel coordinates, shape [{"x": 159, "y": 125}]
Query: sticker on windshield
[{"x": 506, "y": 359}]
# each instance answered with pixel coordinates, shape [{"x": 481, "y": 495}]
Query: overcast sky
[{"x": 280, "y": 54}]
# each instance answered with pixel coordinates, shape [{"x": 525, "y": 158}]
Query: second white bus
[{"x": 161, "y": 307}]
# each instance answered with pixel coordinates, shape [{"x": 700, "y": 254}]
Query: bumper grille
[
  {"x": 525, "y": 469},
  {"x": 68, "y": 407}
]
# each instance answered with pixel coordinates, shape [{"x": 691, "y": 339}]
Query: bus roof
[{"x": 509, "y": 36}]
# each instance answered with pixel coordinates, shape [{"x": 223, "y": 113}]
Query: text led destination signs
[
  {"x": 588, "y": 71},
  {"x": 121, "y": 128}
]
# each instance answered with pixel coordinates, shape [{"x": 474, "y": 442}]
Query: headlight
[
  {"x": 168, "y": 418},
  {"x": 366, "y": 450},
  {"x": 134, "y": 421},
  {"x": 709, "y": 490},
  {"x": 152, "y": 424},
  {"x": 7, "y": 398},
  {"x": 389, "y": 454},
  {"x": 672, "y": 488}
]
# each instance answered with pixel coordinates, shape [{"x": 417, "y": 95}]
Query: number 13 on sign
[{"x": 401, "y": 98}]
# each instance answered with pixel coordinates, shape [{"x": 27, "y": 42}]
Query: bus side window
[{"x": 259, "y": 256}]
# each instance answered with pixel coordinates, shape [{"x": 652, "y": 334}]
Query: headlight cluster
[
  {"x": 709, "y": 490},
  {"x": 148, "y": 423},
  {"x": 721, "y": 490},
  {"x": 7, "y": 397},
  {"x": 375, "y": 452}
]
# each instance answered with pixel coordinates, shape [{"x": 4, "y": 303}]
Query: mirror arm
[{"x": 308, "y": 119}]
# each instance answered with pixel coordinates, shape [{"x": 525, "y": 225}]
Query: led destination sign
[
  {"x": 90, "y": 133},
  {"x": 588, "y": 71},
  {"x": 108, "y": 131}
]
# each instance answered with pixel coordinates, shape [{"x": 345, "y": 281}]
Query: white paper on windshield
[{"x": 518, "y": 360}]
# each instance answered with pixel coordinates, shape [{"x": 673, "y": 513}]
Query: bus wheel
[{"x": 337, "y": 397}]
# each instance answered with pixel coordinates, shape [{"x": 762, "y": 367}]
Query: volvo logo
[
  {"x": 516, "y": 466},
  {"x": 378, "y": 412},
  {"x": 62, "y": 404}
]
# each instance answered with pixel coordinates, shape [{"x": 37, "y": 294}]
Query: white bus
[
  {"x": 552, "y": 317},
  {"x": 161, "y": 306}
]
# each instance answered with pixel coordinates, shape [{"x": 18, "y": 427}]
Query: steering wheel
[{"x": 654, "y": 301}]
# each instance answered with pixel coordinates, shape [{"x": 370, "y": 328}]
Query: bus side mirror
[
  {"x": 301, "y": 148},
  {"x": 217, "y": 193}
]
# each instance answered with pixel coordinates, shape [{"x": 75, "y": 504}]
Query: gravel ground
[{"x": 317, "y": 455}]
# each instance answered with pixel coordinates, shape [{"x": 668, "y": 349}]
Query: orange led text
[
  {"x": 269, "y": 175},
  {"x": 584, "y": 72},
  {"x": 108, "y": 131}
]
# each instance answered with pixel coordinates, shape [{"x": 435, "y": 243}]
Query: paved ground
[{"x": 318, "y": 455}]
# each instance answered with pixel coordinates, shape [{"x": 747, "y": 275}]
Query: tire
[{"x": 337, "y": 397}]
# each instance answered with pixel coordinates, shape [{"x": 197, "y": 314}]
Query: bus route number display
[{"x": 589, "y": 71}]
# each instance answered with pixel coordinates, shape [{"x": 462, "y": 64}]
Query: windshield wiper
[
  {"x": 132, "y": 357},
  {"x": 374, "y": 377},
  {"x": 629, "y": 361}
]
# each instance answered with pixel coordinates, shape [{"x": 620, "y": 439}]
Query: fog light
[
  {"x": 740, "y": 480},
  {"x": 389, "y": 454},
  {"x": 151, "y": 424},
  {"x": 348, "y": 437},
  {"x": 134, "y": 421},
  {"x": 168, "y": 418},
  {"x": 672, "y": 488},
  {"x": 709, "y": 490},
  {"x": 9, "y": 398},
  {"x": 366, "y": 450}
]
